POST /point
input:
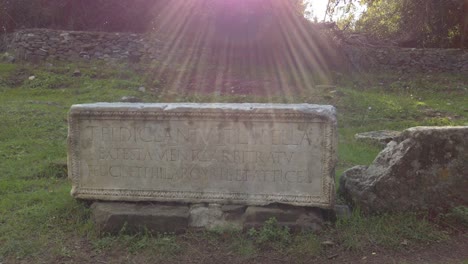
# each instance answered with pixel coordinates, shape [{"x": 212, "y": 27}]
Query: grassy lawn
[{"x": 40, "y": 221}]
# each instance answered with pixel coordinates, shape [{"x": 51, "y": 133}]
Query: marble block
[{"x": 251, "y": 154}]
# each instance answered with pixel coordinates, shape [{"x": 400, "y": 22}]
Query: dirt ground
[{"x": 454, "y": 250}]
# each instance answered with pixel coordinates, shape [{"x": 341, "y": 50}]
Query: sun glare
[{"x": 241, "y": 47}]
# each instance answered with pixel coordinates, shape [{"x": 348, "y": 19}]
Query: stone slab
[
  {"x": 113, "y": 217},
  {"x": 381, "y": 137},
  {"x": 252, "y": 154}
]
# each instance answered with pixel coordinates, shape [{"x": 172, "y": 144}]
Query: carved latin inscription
[{"x": 251, "y": 154}]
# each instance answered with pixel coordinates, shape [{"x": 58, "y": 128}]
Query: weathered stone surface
[
  {"x": 112, "y": 217},
  {"x": 381, "y": 137},
  {"x": 296, "y": 218},
  {"x": 252, "y": 154},
  {"x": 426, "y": 168},
  {"x": 209, "y": 217}
]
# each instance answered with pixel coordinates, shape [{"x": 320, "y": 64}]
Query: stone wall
[
  {"x": 407, "y": 59},
  {"x": 40, "y": 44},
  {"x": 4, "y": 40}
]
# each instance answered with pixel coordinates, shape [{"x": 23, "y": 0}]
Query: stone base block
[
  {"x": 296, "y": 218},
  {"x": 112, "y": 217}
]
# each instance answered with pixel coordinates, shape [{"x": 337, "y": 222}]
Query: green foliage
[
  {"x": 6, "y": 69},
  {"x": 305, "y": 245},
  {"x": 164, "y": 245},
  {"x": 31, "y": 214},
  {"x": 458, "y": 216},
  {"x": 271, "y": 234},
  {"x": 414, "y": 23},
  {"x": 54, "y": 170},
  {"x": 48, "y": 81},
  {"x": 382, "y": 19}
]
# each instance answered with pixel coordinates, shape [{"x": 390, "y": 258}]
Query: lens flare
[{"x": 252, "y": 47}]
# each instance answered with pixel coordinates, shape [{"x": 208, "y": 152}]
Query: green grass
[
  {"x": 162, "y": 245},
  {"x": 456, "y": 216},
  {"x": 35, "y": 200},
  {"x": 359, "y": 232},
  {"x": 271, "y": 234},
  {"x": 234, "y": 238},
  {"x": 38, "y": 215}
]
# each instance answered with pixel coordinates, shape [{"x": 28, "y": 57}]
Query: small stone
[
  {"x": 381, "y": 137},
  {"x": 32, "y": 77},
  {"x": 342, "y": 211},
  {"x": 328, "y": 243},
  {"x": 208, "y": 217},
  {"x": 11, "y": 59},
  {"x": 130, "y": 99},
  {"x": 77, "y": 73},
  {"x": 337, "y": 93},
  {"x": 142, "y": 89}
]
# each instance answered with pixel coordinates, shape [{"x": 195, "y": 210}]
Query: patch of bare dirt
[{"x": 196, "y": 249}]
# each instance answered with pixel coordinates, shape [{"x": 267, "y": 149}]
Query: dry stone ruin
[{"x": 45, "y": 44}]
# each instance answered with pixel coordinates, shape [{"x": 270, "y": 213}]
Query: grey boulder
[{"x": 425, "y": 168}]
